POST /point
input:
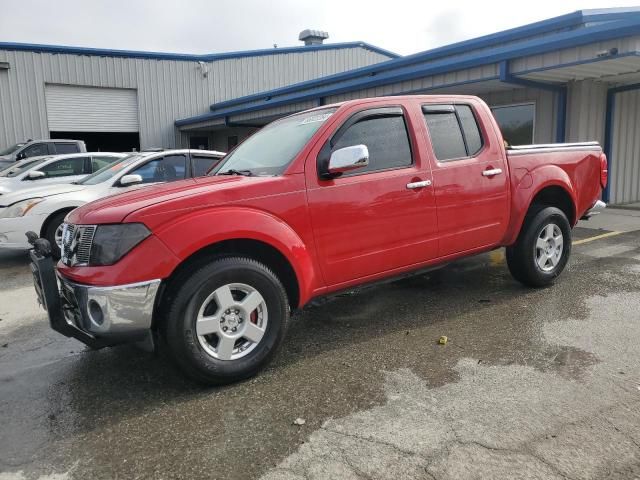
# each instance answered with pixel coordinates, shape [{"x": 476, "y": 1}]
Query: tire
[
  {"x": 50, "y": 232},
  {"x": 218, "y": 291},
  {"x": 543, "y": 247}
]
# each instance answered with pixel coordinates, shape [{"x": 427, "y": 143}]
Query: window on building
[
  {"x": 66, "y": 167},
  {"x": 516, "y": 122},
  {"x": 386, "y": 138},
  {"x": 453, "y": 130},
  {"x": 202, "y": 164},
  {"x": 199, "y": 143},
  {"x": 164, "y": 169}
]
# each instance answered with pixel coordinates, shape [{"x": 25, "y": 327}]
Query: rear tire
[
  {"x": 53, "y": 234},
  {"x": 226, "y": 320},
  {"x": 543, "y": 247}
]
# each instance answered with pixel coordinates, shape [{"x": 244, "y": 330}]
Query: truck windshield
[
  {"x": 271, "y": 150},
  {"x": 18, "y": 167},
  {"x": 11, "y": 149},
  {"x": 109, "y": 171}
]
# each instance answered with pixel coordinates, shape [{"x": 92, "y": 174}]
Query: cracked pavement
[{"x": 533, "y": 384}]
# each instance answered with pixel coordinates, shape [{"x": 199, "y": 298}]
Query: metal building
[
  {"x": 120, "y": 100},
  {"x": 570, "y": 78}
]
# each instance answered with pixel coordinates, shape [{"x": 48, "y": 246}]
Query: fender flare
[
  {"x": 542, "y": 177},
  {"x": 207, "y": 227}
]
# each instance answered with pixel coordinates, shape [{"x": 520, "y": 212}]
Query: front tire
[
  {"x": 226, "y": 321},
  {"x": 543, "y": 248},
  {"x": 53, "y": 233}
]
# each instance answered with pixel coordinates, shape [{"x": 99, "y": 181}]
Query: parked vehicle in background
[
  {"x": 42, "y": 209},
  {"x": 38, "y": 148},
  {"x": 40, "y": 171},
  {"x": 310, "y": 205}
]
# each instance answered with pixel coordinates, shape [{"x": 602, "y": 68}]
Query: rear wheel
[
  {"x": 542, "y": 249},
  {"x": 226, "y": 320}
]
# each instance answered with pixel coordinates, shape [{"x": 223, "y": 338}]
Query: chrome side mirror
[
  {"x": 132, "y": 179},
  {"x": 35, "y": 174},
  {"x": 347, "y": 159}
]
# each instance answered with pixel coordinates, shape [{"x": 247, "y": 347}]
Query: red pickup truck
[{"x": 312, "y": 204}]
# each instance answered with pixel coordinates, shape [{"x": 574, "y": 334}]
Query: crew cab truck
[{"x": 314, "y": 203}]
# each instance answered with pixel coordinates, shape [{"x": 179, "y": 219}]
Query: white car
[
  {"x": 43, "y": 209},
  {"x": 47, "y": 170}
]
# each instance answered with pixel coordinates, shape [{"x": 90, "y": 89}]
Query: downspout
[
  {"x": 608, "y": 130},
  {"x": 559, "y": 90}
]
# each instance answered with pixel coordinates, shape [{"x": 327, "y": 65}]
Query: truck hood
[
  {"x": 115, "y": 208},
  {"x": 36, "y": 192}
]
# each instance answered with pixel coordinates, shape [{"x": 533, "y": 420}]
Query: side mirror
[
  {"x": 130, "y": 180},
  {"x": 347, "y": 159},
  {"x": 35, "y": 174},
  {"x": 21, "y": 156}
]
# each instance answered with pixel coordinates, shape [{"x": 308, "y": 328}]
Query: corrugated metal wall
[
  {"x": 625, "y": 152},
  {"x": 586, "y": 107},
  {"x": 167, "y": 89}
]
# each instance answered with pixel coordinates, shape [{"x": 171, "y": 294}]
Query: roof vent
[{"x": 313, "y": 37}]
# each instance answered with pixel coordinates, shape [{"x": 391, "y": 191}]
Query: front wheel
[
  {"x": 542, "y": 249},
  {"x": 226, "y": 320},
  {"x": 53, "y": 233}
]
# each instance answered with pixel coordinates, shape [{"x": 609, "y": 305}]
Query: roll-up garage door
[
  {"x": 91, "y": 109},
  {"x": 625, "y": 151}
]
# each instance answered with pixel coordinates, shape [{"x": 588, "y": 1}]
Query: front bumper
[
  {"x": 12, "y": 231},
  {"x": 97, "y": 316}
]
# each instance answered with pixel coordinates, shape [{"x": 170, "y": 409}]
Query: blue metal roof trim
[
  {"x": 560, "y": 40},
  {"x": 62, "y": 49},
  {"x": 579, "y": 62},
  {"x": 568, "y": 21}
]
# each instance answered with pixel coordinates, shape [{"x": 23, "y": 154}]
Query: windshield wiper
[{"x": 231, "y": 171}]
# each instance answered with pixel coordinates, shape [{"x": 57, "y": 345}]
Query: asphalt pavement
[{"x": 531, "y": 383}]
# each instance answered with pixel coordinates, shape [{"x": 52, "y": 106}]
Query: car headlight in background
[
  {"x": 112, "y": 242},
  {"x": 20, "y": 209}
]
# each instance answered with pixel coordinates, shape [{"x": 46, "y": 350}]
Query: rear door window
[
  {"x": 164, "y": 169},
  {"x": 453, "y": 130},
  {"x": 36, "y": 150},
  {"x": 66, "y": 167},
  {"x": 66, "y": 147}
]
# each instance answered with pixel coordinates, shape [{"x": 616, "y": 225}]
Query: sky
[{"x": 214, "y": 26}]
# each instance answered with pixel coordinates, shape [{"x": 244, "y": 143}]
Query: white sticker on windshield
[{"x": 316, "y": 118}]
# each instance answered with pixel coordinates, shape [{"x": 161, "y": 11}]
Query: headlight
[
  {"x": 112, "y": 242},
  {"x": 20, "y": 209}
]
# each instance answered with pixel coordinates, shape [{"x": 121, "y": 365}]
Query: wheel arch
[
  {"x": 550, "y": 186},
  {"x": 247, "y": 232},
  {"x": 47, "y": 220},
  {"x": 242, "y": 247}
]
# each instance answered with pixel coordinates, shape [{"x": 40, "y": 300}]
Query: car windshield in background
[
  {"x": 18, "y": 167},
  {"x": 271, "y": 150},
  {"x": 11, "y": 149},
  {"x": 109, "y": 171}
]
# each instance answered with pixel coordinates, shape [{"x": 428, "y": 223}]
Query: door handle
[
  {"x": 424, "y": 183},
  {"x": 492, "y": 172}
]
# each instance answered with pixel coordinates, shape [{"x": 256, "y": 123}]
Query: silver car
[{"x": 39, "y": 171}]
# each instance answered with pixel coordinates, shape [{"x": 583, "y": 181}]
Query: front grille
[{"x": 76, "y": 244}]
